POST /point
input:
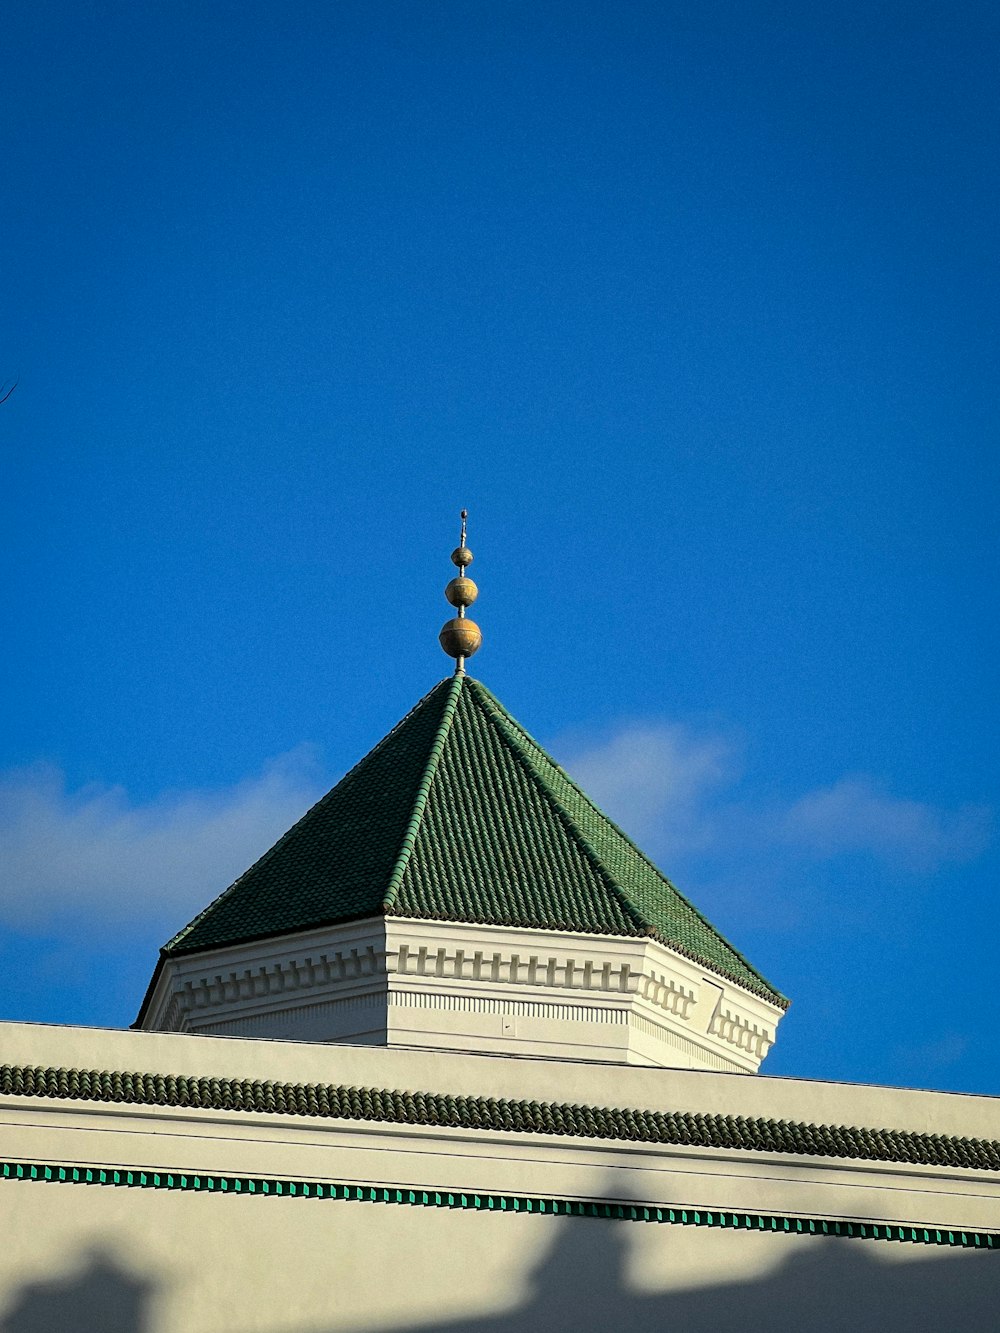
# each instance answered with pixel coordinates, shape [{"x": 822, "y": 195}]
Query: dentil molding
[{"x": 500, "y": 990}]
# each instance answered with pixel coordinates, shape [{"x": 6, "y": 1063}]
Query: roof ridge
[
  {"x": 423, "y": 791},
  {"x": 565, "y": 817},
  {"x": 712, "y": 967},
  {"x": 273, "y": 850}
]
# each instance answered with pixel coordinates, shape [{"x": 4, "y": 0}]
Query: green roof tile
[{"x": 458, "y": 815}]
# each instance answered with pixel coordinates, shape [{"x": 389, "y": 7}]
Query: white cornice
[{"x": 398, "y": 981}]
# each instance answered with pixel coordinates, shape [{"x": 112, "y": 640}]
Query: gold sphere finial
[
  {"x": 461, "y": 592},
  {"x": 461, "y": 637}
]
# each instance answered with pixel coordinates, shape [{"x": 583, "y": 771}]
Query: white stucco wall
[
  {"x": 147, "y": 1262},
  {"x": 154, "y": 1261}
]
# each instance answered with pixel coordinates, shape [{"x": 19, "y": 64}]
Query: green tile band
[
  {"x": 280, "y": 1187},
  {"x": 381, "y": 1106}
]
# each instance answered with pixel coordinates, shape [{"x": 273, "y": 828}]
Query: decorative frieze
[
  {"x": 485, "y": 1004},
  {"x": 513, "y": 968},
  {"x": 666, "y": 992},
  {"x": 679, "y": 1051},
  {"x": 737, "y": 1029},
  {"x": 419, "y": 983}
]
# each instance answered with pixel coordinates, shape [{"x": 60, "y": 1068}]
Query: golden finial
[{"x": 461, "y": 637}]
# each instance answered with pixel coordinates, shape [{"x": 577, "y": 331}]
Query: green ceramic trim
[
  {"x": 423, "y": 791},
  {"x": 283, "y": 1187},
  {"x": 492, "y": 1115}
]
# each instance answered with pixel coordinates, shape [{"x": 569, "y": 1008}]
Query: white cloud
[
  {"x": 679, "y": 792},
  {"x": 657, "y": 780},
  {"x": 856, "y": 814},
  {"x": 939, "y": 1053},
  {"x": 94, "y": 849}
]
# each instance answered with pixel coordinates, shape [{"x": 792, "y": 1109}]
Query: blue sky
[{"x": 694, "y": 306}]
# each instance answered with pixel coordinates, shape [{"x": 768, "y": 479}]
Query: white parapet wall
[{"x": 193, "y": 1183}]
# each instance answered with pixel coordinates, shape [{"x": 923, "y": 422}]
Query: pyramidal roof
[{"x": 459, "y": 815}]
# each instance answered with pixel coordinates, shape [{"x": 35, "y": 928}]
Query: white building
[{"x": 455, "y": 1055}]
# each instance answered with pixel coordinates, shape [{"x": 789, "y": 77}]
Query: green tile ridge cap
[
  {"x": 171, "y": 945},
  {"x": 423, "y": 791},
  {"x": 461, "y": 1111},
  {"x": 579, "y": 837},
  {"x": 765, "y": 989}
]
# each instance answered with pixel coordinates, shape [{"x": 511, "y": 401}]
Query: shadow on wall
[
  {"x": 102, "y": 1298},
  {"x": 824, "y": 1285}
]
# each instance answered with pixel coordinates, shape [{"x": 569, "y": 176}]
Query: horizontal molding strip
[
  {"x": 673, "y": 1128},
  {"x": 281, "y": 1187}
]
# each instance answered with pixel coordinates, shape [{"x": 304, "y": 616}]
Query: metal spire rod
[{"x": 461, "y": 637}]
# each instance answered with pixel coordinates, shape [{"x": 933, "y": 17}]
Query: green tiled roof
[{"x": 458, "y": 815}]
